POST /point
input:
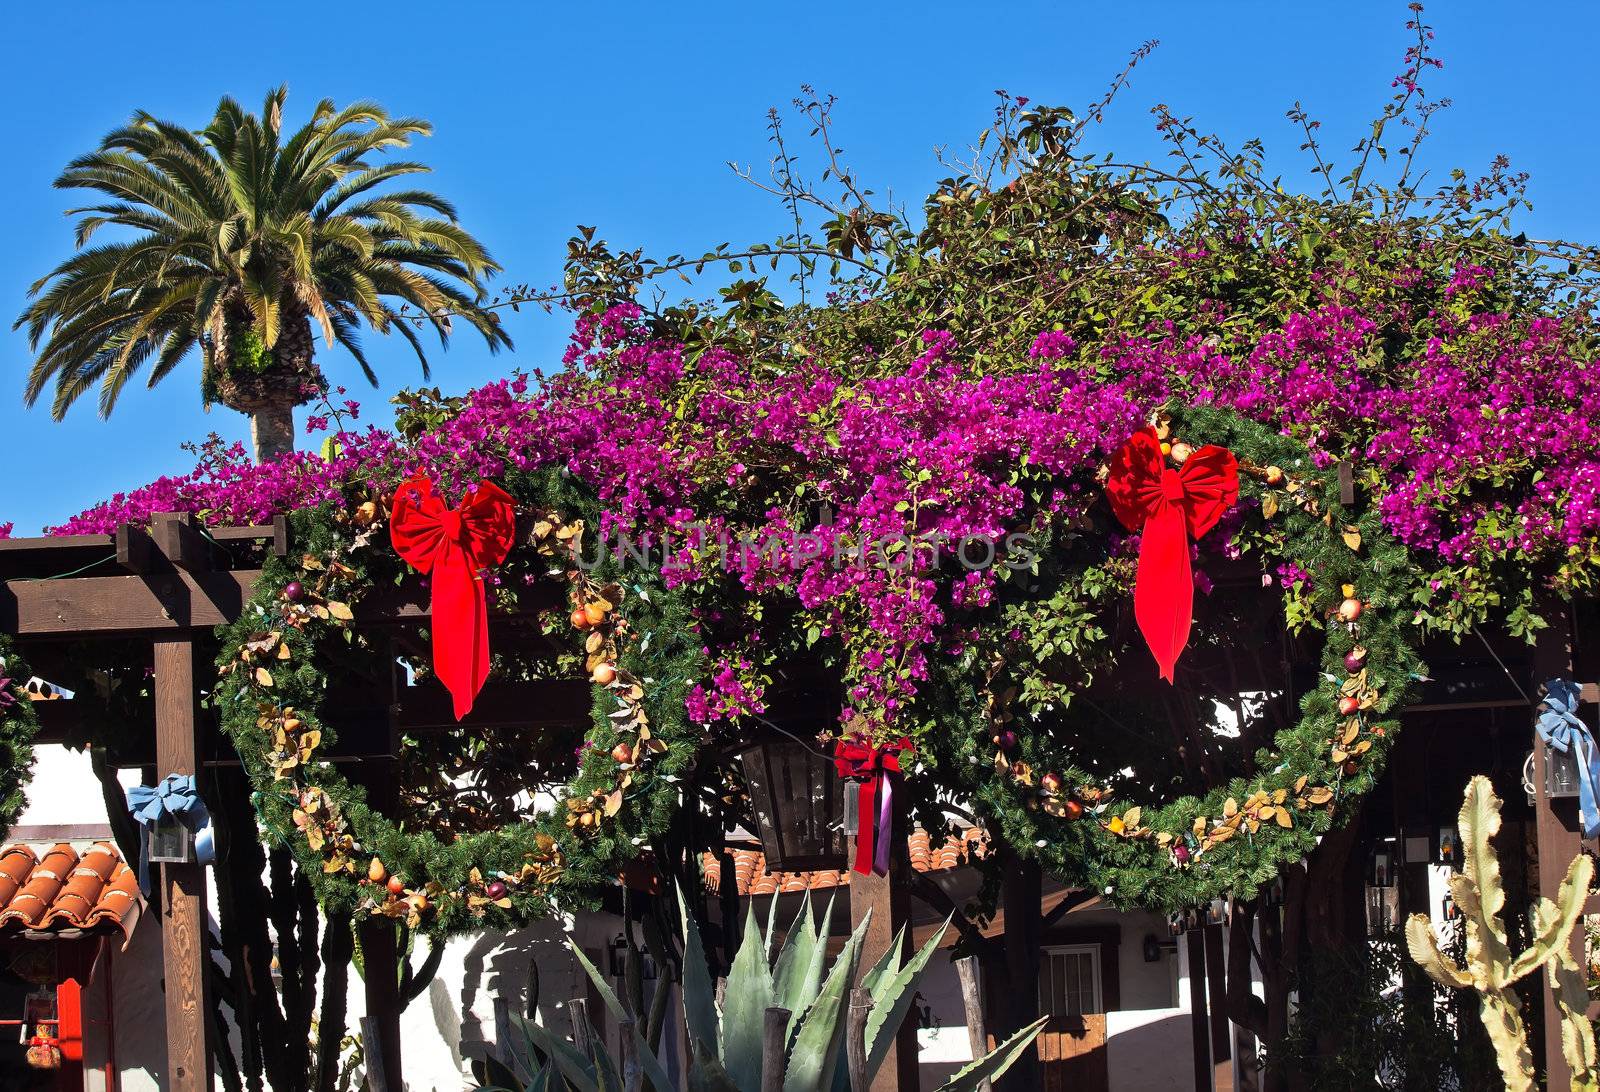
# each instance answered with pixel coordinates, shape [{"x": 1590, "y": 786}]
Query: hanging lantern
[{"x": 797, "y": 801}]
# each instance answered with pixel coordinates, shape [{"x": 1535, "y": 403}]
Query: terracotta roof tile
[
  {"x": 94, "y": 891},
  {"x": 751, "y": 875}
]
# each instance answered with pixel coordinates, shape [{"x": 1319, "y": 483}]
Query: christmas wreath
[
  {"x": 298, "y": 632},
  {"x": 19, "y": 724},
  {"x": 1339, "y": 570}
]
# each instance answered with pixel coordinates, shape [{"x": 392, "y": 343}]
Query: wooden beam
[
  {"x": 136, "y": 550},
  {"x": 184, "y": 924},
  {"x": 106, "y": 605},
  {"x": 1556, "y": 827},
  {"x": 888, "y": 898},
  {"x": 276, "y": 532},
  {"x": 180, "y": 542}
]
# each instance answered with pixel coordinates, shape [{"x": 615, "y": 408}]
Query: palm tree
[{"x": 237, "y": 241}]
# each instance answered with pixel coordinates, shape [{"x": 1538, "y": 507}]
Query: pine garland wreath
[
  {"x": 1240, "y": 836},
  {"x": 297, "y": 632},
  {"x": 19, "y": 725}
]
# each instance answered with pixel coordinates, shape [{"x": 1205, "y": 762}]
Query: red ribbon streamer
[
  {"x": 874, "y": 815},
  {"x": 455, "y": 546},
  {"x": 1171, "y": 505}
]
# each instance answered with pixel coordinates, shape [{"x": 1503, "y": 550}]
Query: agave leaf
[
  {"x": 996, "y": 1062},
  {"x": 607, "y": 1077},
  {"x": 891, "y": 999},
  {"x": 653, "y": 1070},
  {"x": 699, "y": 998},
  {"x": 817, "y": 1046},
  {"x": 707, "y": 1074},
  {"x": 748, "y": 996},
  {"x": 569, "y": 1060},
  {"x": 888, "y": 963},
  {"x": 793, "y": 956},
  {"x": 497, "y": 1075},
  {"x": 797, "y": 989}
]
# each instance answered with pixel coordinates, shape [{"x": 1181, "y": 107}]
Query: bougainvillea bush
[{"x": 895, "y": 468}]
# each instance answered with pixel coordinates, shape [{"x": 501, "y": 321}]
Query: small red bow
[
  {"x": 874, "y": 806},
  {"x": 1171, "y": 505},
  {"x": 455, "y": 546}
]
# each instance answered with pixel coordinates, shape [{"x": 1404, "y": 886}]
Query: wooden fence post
[
  {"x": 774, "y": 1044},
  {"x": 582, "y": 1030},
  {"x": 972, "y": 1005}
]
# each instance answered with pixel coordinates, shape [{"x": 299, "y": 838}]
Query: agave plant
[
  {"x": 726, "y": 1039},
  {"x": 247, "y": 241}
]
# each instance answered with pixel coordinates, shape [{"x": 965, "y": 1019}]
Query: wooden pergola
[{"x": 170, "y": 585}]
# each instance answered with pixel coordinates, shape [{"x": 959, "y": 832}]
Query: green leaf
[
  {"x": 798, "y": 980},
  {"x": 699, "y": 997},
  {"x": 891, "y": 1000},
  {"x": 816, "y": 1050},
  {"x": 887, "y": 964},
  {"x": 497, "y": 1075},
  {"x": 569, "y": 1060},
  {"x": 994, "y": 1063},
  {"x": 748, "y": 996},
  {"x": 653, "y": 1070},
  {"x": 707, "y": 1074}
]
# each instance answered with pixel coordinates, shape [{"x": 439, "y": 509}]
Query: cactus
[{"x": 1491, "y": 969}]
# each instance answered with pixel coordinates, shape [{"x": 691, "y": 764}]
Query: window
[{"x": 1069, "y": 983}]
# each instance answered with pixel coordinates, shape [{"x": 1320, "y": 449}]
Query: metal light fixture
[
  {"x": 1560, "y": 773},
  {"x": 796, "y": 797},
  {"x": 170, "y": 841}
]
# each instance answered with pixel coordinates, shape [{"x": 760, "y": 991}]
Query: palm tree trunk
[{"x": 272, "y": 430}]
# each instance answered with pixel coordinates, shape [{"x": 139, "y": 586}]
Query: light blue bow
[
  {"x": 175, "y": 796},
  {"x": 1562, "y": 731}
]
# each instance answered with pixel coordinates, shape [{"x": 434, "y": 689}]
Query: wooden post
[
  {"x": 889, "y": 900},
  {"x": 582, "y": 1030},
  {"x": 632, "y": 1074},
  {"x": 855, "y": 1039},
  {"x": 1556, "y": 826},
  {"x": 1197, "y": 1010},
  {"x": 774, "y": 1041},
  {"x": 184, "y": 925},
  {"x": 1216, "y": 980},
  {"x": 972, "y": 1005}
]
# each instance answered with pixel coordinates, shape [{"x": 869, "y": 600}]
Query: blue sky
[{"x": 624, "y": 115}]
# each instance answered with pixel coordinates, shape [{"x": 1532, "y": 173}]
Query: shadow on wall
[
  {"x": 1149, "y": 1048},
  {"x": 529, "y": 968}
]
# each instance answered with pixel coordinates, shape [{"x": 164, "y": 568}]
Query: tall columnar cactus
[{"x": 1490, "y": 967}]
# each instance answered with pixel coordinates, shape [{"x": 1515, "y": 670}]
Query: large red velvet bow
[
  {"x": 875, "y": 804},
  {"x": 1171, "y": 505},
  {"x": 455, "y": 546}
]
